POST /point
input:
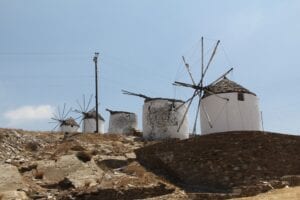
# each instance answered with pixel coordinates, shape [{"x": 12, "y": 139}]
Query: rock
[
  {"x": 70, "y": 167},
  {"x": 130, "y": 155},
  {"x": 236, "y": 168},
  {"x": 8, "y": 161},
  {"x": 57, "y": 171},
  {"x": 236, "y": 191},
  {"x": 10, "y": 178},
  {"x": 293, "y": 180},
  {"x": 13, "y": 195}
]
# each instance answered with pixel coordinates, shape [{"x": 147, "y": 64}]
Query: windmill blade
[
  {"x": 55, "y": 116},
  {"x": 222, "y": 76},
  {"x": 108, "y": 110},
  {"x": 135, "y": 94},
  {"x": 55, "y": 119},
  {"x": 78, "y": 118},
  {"x": 196, "y": 92},
  {"x": 55, "y": 126},
  {"x": 63, "y": 111},
  {"x": 186, "y": 111},
  {"x": 88, "y": 105},
  {"x": 67, "y": 113},
  {"x": 177, "y": 83},
  {"x": 83, "y": 96},
  {"x": 80, "y": 123},
  {"x": 197, "y": 113},
  {"x": 78, "y": 111},
  {"x": 207, "y": 117},
  {"x": 59, "y": 113},
  {"x": 188, "y": 70},
  {"x": 202, "y": 58},
  {"x": 210, "y": 59},
  {"x": 81, "y": 109}
]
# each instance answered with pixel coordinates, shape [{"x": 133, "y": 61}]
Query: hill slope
[{"x": 41, "y": 165}]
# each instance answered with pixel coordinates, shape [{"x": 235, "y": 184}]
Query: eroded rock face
[
  {"x": 11, "y": 181},
  {"x": 10, "y": 178},
  {"x": 14, "y": 195},
  {"x": 69, "y": 166},
  {"x": 242, "y": 163},
  {"x": 96, "y": 166}
]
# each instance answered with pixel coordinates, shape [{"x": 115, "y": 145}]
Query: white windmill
[
  {"x": 223, "y": 104},
  {"x": 122, "y": 122},
  {"x": 162, "y": 118},
  {"x": 89, "y": 117},
  {"x": 63, "y": 123}
]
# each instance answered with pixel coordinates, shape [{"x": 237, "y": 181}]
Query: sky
[{"x": 47, "y": 46}]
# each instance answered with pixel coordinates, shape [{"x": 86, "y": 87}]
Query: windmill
[
  {"x": 199, "y": 88},
  {"x": 162, "y": 116},
  {"x": 89, "y": 116},
  {"x": 62, "y": 122}
]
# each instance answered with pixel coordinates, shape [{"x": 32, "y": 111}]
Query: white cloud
[{"x": 29, "y": 113}]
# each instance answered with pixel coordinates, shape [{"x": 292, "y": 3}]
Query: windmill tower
[
  {"x": 223, "y": 104},
  {"x": 122, "y": 122},
  {"x": 89, "y": 117},
  {"x": 63, "y": 123},
  {"x": 162, "y": 118}
]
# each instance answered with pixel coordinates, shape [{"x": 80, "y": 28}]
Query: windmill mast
[{"x": 95, "y": 59}]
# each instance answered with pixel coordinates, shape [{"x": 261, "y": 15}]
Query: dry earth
[{"x": 43, "y": 165}]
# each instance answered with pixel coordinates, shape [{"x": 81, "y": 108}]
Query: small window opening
[{"x": 241, "y": 97}]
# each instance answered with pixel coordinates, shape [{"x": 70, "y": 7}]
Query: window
[{"x": 241, "y": 96}]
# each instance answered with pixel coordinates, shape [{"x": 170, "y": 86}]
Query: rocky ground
[{"x": 43, "y": 165}]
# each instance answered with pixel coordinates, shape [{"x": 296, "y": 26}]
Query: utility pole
[{"x": 95, "y": 59}]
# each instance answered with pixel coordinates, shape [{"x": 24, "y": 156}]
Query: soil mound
[{"x": 244, "y": 163}]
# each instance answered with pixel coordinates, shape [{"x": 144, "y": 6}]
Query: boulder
[
  {"x": 70, "y": 167},
  {"x": 13, "y": 195},
  {"x": 10, "y": 178}
]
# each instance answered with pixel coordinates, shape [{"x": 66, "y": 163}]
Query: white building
[
  {"x": 122, "y": 122},
  {"x": 89, "y": 122},
  {"x": 229, "y": 107},
  {"x": 162, "y": 118},
  {"x": 68, "y": 125}
]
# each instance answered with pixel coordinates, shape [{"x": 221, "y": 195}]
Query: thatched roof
[
  {"x": 92, "y": 115},
  {"x": 225, "y": 86},
  {"x": 69, "y": 122}
]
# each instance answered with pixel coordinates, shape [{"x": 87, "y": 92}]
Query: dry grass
[
  {"x": 32, "y": 146},
  {"x": 77, "y": 148}
]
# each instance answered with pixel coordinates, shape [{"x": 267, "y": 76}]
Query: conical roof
[
  {"x": 92, "y": 115},
  {"x": 69, "y": 122},
  {"x": 225, "y": 86}
]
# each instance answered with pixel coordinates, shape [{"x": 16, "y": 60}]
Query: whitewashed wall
[
  {"x": 69, "y": 129},
  {"x": 89, "y": 125},
  {"x": 122, "y": 122},
  {"x": 232, "y": 115},
  {"x": 161, "y": 121}
]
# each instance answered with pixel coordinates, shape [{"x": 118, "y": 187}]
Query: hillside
[{"x": 41, "y": 165}]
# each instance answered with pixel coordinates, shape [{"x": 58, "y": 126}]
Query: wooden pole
[{"x": 96, "y": 92}]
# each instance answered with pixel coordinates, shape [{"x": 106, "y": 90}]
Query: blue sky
[{"x": 47, "y": 47}]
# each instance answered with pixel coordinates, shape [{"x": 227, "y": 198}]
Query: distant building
[
  {"x": 122, "y": 122},
  {"x": 89, "y": 122},
  {"x": 68, "y": 125}
]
